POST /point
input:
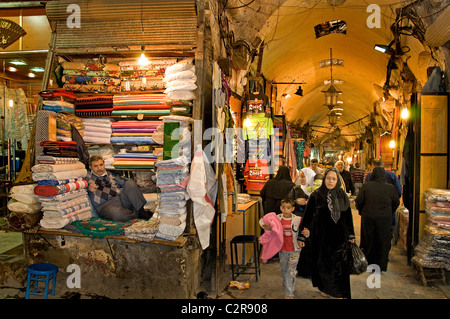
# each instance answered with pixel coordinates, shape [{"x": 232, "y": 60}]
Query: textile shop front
[{"x": 97, "y": 98}]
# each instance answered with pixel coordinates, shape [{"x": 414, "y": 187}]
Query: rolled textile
[
  {"x": 131, "y": 139},
  {"x": 97, "y": 140},
  {"x": 50, "y": 190},
  {"x": 59, "y": 175},
  {"x": 40, "y": 168},
  {"x": 91, "y": 66},
  {"x": 42, "y": 159},
  {"x": 144, "y": 112},
  {"x": 21, "y": 207},
  {"x": 22, "y": 221}
]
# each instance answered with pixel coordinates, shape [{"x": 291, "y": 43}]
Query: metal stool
[
  {"x": 41, "y": 273},
  {"x": 245, "y": 239}
]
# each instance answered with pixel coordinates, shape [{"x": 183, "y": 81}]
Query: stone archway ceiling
[{"x": 291, "y": 53}]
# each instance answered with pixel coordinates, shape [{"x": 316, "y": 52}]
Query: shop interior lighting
[
  {"x": 11, "y": 103},
  {"x": 31, "y": 75},
  {"x": 385, "y": 48},
  {"x": 18, "y": 62},
  {"x": 12, "y": 69},
  {"x": 248, "y": 122},
  {"x": 143, "y": 59},
  {"x": 37, "y": 69},
  {"x": 404, "y": 114},
  {"x": 392, "y": 144}
]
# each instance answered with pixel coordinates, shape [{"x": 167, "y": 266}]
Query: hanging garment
[{"x": 256, "y": 174}]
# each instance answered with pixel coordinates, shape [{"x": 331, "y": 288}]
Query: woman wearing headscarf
[
  {"x": 301, "y": 191},
  {"x": 276, "y": 189},
  {"x": 328, "y": 223},
  {"x": 377, "y": 202}
]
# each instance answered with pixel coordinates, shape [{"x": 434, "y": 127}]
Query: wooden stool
[{"x": 430, "y": 274}]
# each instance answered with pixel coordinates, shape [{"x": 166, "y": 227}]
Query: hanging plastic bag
[{"x": 359, "y": 261}]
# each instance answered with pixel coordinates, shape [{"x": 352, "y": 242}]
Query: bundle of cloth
[
  {"x": 180, "y": 80},
  {"x": 134, "y": 159},
  {"x": 91, "y": 77},
  {"x": 137, "y": 77},
  {"x": 433, "y": 250},
  {"x": 59, "y": 148},
  {"x": 172, "y": 179},
  {"x": 139, "y": 132},
  {"x": 24, "y": 206},
  {"x": 146, "y": 104},
  {"x": 97, "y": 130},
  {"x": 143, "y": 230},
  {"x": 94, "y": 105},
  {"x": 63, "y": 126},
  {"x": 62, "y": 191},
  {"x": 57, "y": 100}
]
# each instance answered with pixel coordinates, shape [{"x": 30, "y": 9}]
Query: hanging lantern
[
  {"x": 331, "y": 93},
  {"x": 332, "y": 118}
]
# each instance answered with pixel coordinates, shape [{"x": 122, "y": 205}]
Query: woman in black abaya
[
  {"x": 276, "y": 189},
  {"x": 329, "y": 224},
  {"x": 377, "y": 202}
]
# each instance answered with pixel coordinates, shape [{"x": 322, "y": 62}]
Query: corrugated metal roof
[{"x": 118, "y": 23}]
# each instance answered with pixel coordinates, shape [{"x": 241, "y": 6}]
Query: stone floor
[{"x": 401, "y": 281}]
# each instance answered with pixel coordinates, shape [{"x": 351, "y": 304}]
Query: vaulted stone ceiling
[{"x": 291, "y": 53}]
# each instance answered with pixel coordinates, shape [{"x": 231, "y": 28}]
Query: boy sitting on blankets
[{"x": 112, "y": 196}]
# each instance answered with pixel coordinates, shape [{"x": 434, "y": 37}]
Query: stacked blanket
[
  {"x": 139, "y": 132},
  {"x": 91, "y": 77},
  {"x": 433, "y": 250},
  {"x": 143, "y": 230},
  {"x": 57, "y": 100},
  {"x": 97, "y": 130},
  {"x": 180, "y": 80},
  {"x": 136, "y": 77},
  {"x": 146, "y": 104},
  {"x": 62, "y": 191},
  {"x": 63, "y": 126},
  {"x": 172, "y": 179},
  {"x": 94, "y": 105},
  {"x": 59, "y": 148},
  {"x": 134, "y": 159}
]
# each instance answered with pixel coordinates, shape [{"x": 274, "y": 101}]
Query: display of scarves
[{"x": 299, "y": 147}]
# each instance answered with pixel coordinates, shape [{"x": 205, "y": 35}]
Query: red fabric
[
  {"x": 256, "y": 174},
  {"x": 288, "y": 244}
]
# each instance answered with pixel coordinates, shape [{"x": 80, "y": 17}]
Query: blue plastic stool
[{"x": 41, "y": 273}]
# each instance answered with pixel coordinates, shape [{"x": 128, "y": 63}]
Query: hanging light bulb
[
  {"x": 405, "y": 113},
  {"x": 392, "y": 144},
  {"x": 11, "y": 103},
  {"x": 143, "y": 59},
  {"x": 247, "y": 122}
]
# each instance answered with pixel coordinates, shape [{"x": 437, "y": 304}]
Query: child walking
[{"x": 291, "y": 246}]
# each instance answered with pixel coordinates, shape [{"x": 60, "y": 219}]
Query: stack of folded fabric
[
  {"x": 63, "y": 126},
  {"x": 95, "y": 105},
  {"x": 139, "y": 132},
  {"x": 146, "y": 104},
  {"x": 172, "y": 179},
  {"x": 91, "y": 77},
  {"x": 143, "y": 230},
  {"x": 62, "y": 191},
  {"x": 134, "y": 159},
  {"x": 97, "y": 130},
  {"x": 137, "y": 77},
  {"x": 59, "y": 148},
  {"x": 433, "y": 250},
  {"x": 180, "y": 80},
  {"x": 58, "y": 100}
]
